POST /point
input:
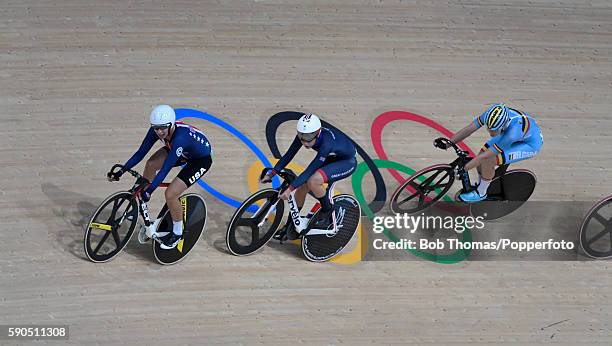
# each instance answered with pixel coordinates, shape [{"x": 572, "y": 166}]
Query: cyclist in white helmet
[
  {"x": 335, "y": 160},
  {"x": 515, "y": 136},
  {"x": 183, "y": 144}
]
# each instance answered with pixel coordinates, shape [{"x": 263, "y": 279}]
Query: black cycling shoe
[
  {"x": 292, "y": 234},
  {"x": 281, "y": 234},
  {"x": 324, "y": 219},
  {"x": 170, "y": 241},
  {"x": 288, "y": 232}
]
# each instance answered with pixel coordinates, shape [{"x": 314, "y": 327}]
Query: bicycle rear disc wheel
[
  {"x": 518, "y": 185},
  {"x": 422, "y": 189},
  {"x": 244, "y": 234},
  {"x": 323, "y": 247},
  {"x": 194, "y": 222},
  {"x": 111, "y": 227}
]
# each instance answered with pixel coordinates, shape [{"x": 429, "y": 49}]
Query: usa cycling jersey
[
  {"x": 335, "y": 151},
  {"x": 187, "y": 143}
]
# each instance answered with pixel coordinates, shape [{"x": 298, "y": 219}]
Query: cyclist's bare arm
[{"x": 464, "y": 133}]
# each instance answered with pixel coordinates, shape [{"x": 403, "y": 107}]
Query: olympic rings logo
[{"x": 369, "y": 209}]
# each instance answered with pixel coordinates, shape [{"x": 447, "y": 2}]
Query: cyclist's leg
[
  {"x": 333, "y": 172},
  {"x": 172, "y": 193},
  {"x": 486, "y": 169},
  {"x": 479, "y": 168},
  {"x": 315, "y": 183},
  {"x": 155, "y": 163},
  {"x": 486, "y": 173},
  {"x": 330, "y": 174},
  {"x": 515, "y": 152},
  {"x": 189, "y": 175},
  {"x": 300, "y": 195}
]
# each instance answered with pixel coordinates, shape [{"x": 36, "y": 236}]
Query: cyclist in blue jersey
[
  {"x": 515, "y": 136},
  {"x": 183, "y": 144},
  {"x": 335, "y": 160}
]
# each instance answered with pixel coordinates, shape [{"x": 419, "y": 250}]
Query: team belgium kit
[{"x": 522, "y": 139}]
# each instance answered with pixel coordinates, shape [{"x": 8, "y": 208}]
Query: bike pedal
[
  {"x": 157, "y": 236},
  {"x": 280, "y": 236},
  {"x": 142, "y": 235}
]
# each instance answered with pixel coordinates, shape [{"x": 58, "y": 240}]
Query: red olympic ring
[{"x": 385, "y": 118}]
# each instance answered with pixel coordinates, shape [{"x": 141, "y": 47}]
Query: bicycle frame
[
  {"x": 300, "y": 222},
  {"x": 463, "y": 158},
  {"x": 465, "y": 177},
  {"x": 151, "y": 227},
  {"x": 143, "y": 209}
]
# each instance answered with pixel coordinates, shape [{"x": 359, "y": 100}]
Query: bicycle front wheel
[
  {"x": 250, "y": 229},
  {"x": 111, "y": 227},
  {"x": 422, "y": 189}
]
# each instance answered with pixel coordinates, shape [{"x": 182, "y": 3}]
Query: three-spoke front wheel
[{"x": 254, "y": 222}]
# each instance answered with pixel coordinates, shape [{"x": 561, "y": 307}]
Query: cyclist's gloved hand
[
  {"x": 440, "y": 143},
  {"x": 115, "y": 176},
  {"x": 145, "y": 196},
  {"x": 285, "y": 195},
  {"x": 266, "y": 178}
]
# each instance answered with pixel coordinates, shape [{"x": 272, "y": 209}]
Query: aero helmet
[
  {"x": 308, "y": 127},
  {"x": 497, "y": 117},
  {"x": 162, "y": 116}
]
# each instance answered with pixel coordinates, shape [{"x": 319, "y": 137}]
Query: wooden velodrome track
[{"x": 79, "y": 79}]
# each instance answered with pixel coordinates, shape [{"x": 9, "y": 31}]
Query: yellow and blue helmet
[{"x": 497, "y": 117}]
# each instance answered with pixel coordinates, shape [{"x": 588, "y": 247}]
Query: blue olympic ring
[{"x": 193, "y": 113}]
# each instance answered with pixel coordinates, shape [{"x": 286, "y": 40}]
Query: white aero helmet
[
  {"x": 162, "y": 116},
  {"x": 308, "y": 127}
]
